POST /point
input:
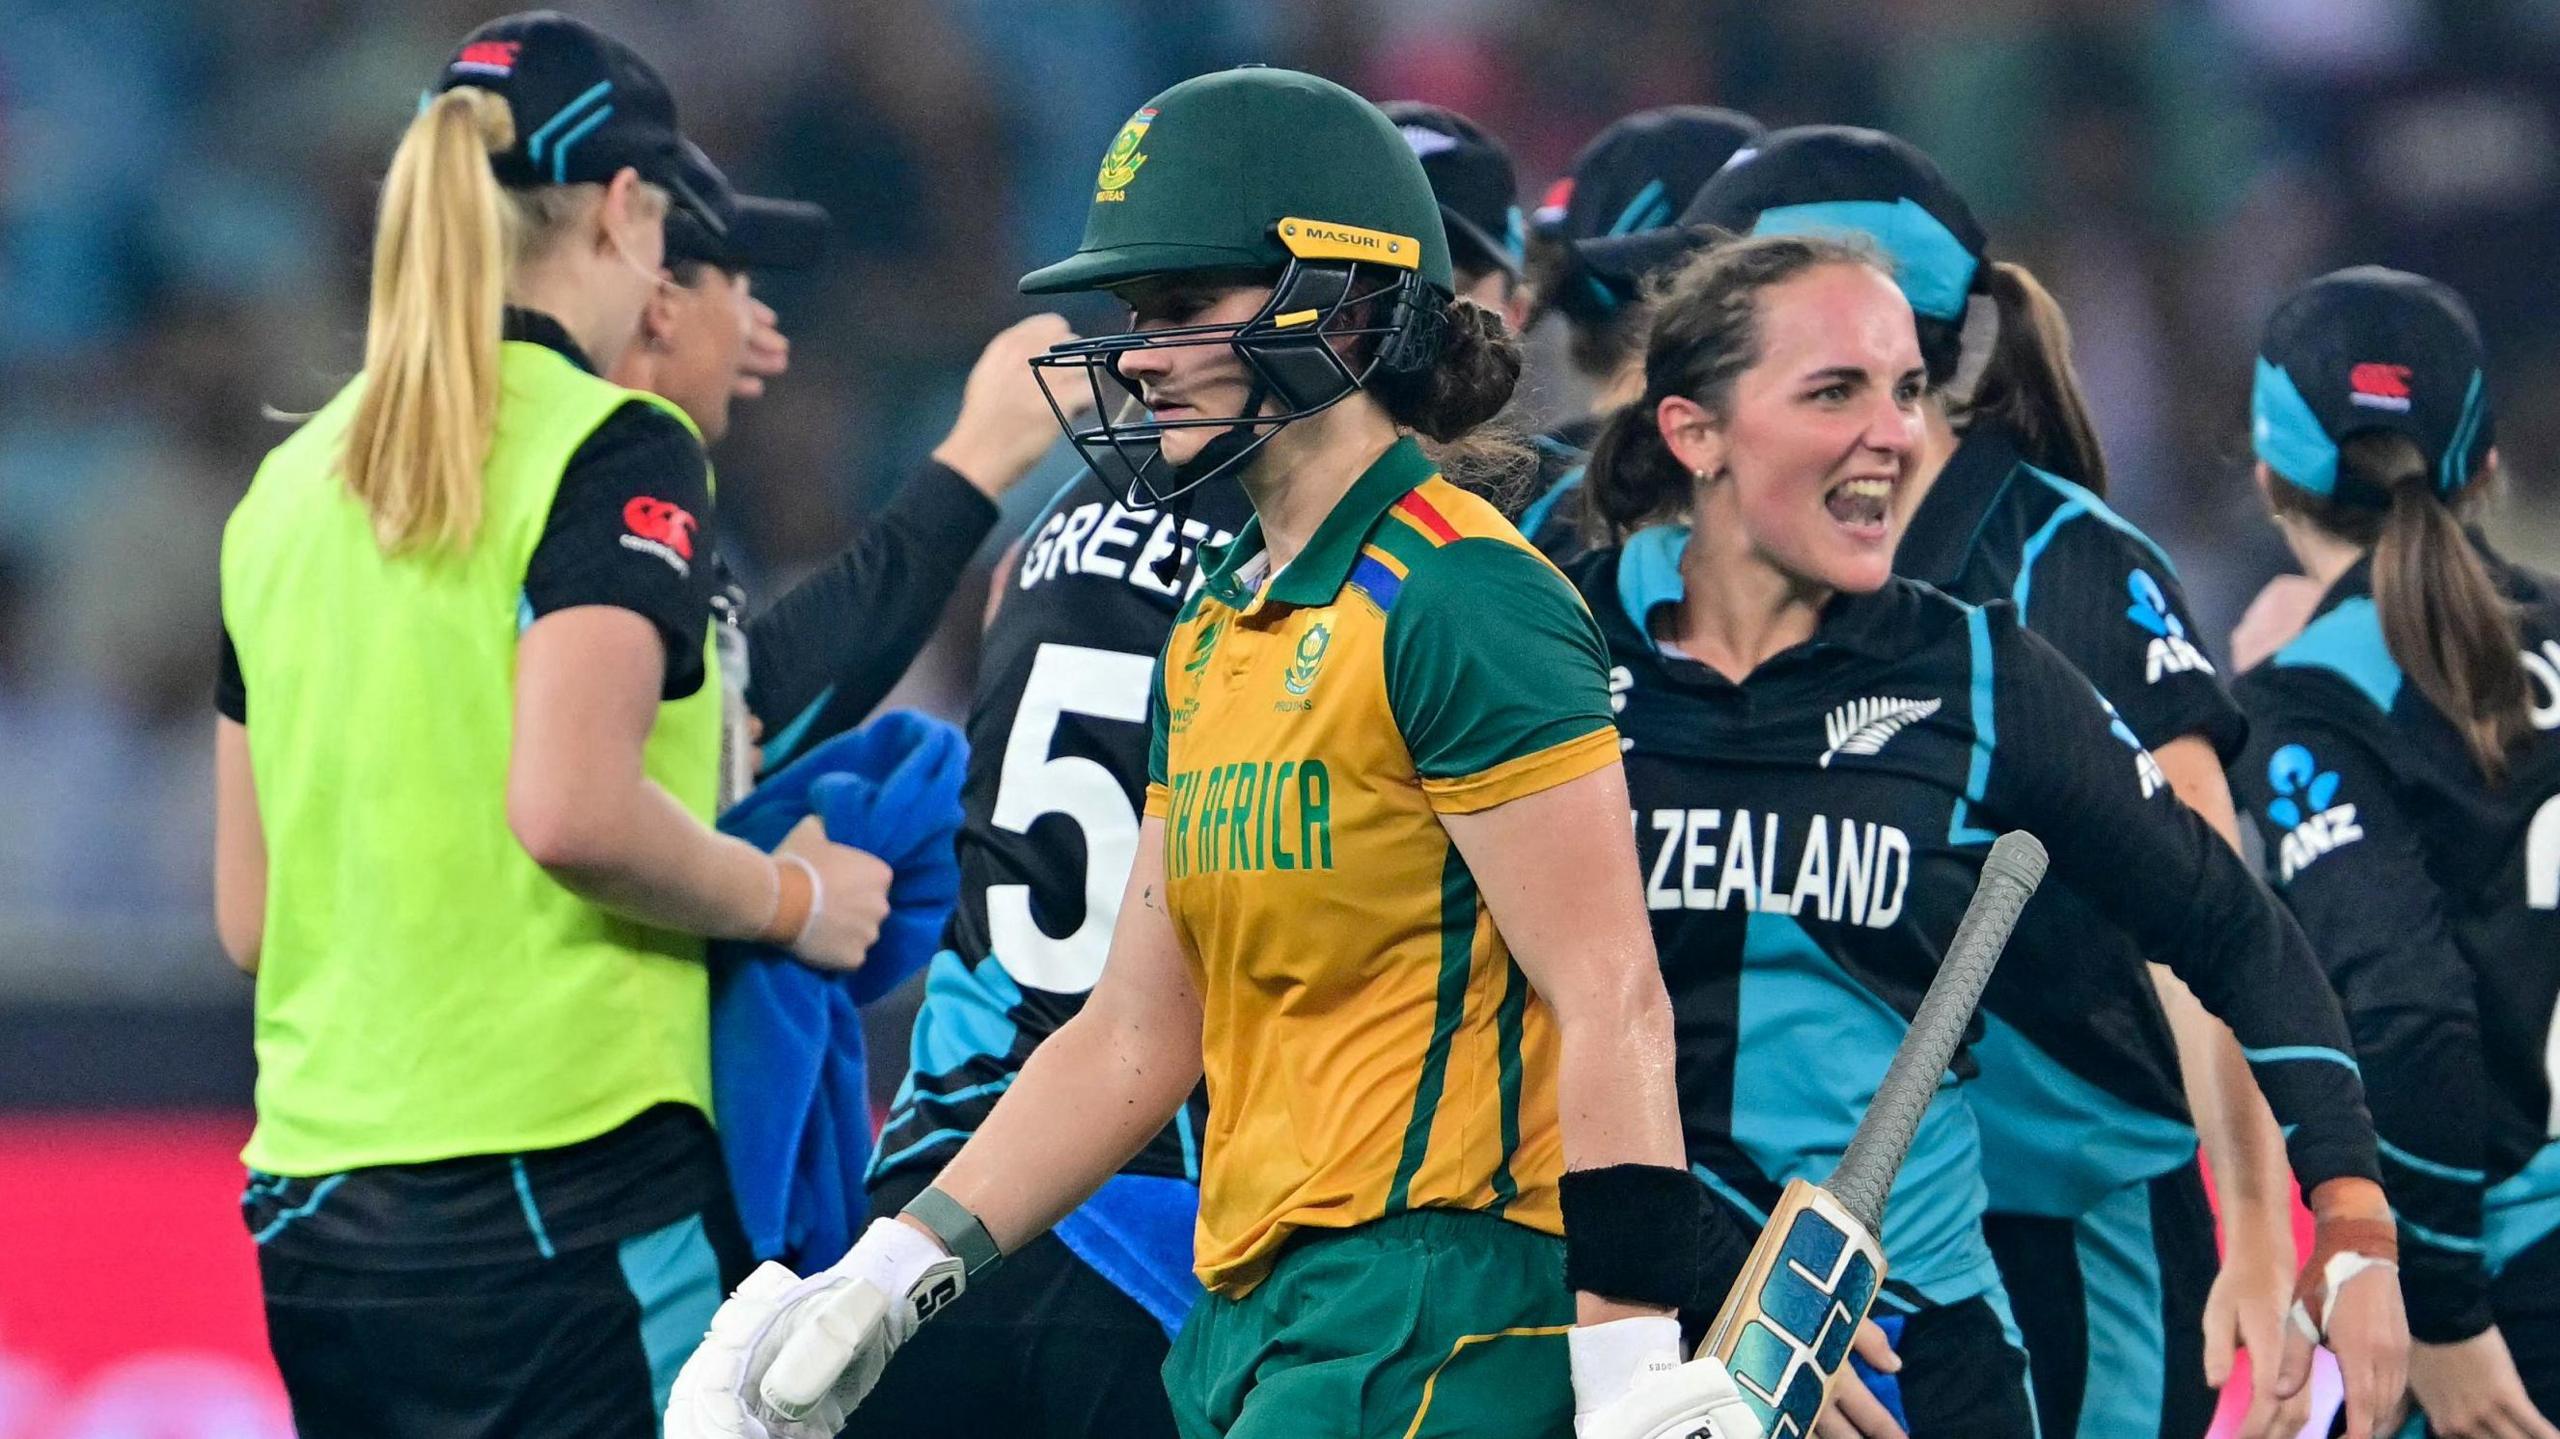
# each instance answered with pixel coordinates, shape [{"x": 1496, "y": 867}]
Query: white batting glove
[
  {"x": 789, "y": 1358},
  {"x": 1629, "y": 1383}
]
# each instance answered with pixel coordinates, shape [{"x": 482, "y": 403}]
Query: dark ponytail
[
  {"x": 1452, "y": 404},
  {"x": 2443, "y": 619},
  {"x": 2029, "y": 388},
  {"x": 1704, "y": 333}
]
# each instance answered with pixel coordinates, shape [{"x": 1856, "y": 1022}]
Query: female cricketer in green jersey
[
  {"x": 1384, "y": 895},
  {"x": 465, "y": 770}
]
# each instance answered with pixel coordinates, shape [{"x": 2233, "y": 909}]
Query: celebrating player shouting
[
  {"x": 1819, "y": 753},
  {"x": 1383, "y": 895},
  {"x": 2098, "y": 1211},
  {"x": 2401, "y": 769}
]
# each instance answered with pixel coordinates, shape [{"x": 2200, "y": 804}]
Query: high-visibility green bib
[{"x": 425, "y": 990}]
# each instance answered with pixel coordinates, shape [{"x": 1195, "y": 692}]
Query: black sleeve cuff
[
  {"x": 943, "y": 507},
  {"x": 2448, "y": 1301},
  {"x": 230, "y": 687}
]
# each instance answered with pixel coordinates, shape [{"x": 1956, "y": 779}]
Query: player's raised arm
[{"x": 2121, "y": 839}]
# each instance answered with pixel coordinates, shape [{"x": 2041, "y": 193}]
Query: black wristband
[
  {"x": 1632, "y": 1232},
  {"x": 960, "y": 1231}
]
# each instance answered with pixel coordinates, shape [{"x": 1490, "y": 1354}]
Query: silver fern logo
[{"x": 1862, "y": 726}]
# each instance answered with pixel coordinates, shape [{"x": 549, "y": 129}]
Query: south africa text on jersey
[{"x": 1254, "y": 816}]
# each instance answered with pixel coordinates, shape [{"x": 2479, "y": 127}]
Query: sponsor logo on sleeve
[
  {"x": 661, "y": 528},
  {"x": 2306, "y": 807},
  {"x": 2146, "y": 770},
  {"x": 2170, "y": 651}
]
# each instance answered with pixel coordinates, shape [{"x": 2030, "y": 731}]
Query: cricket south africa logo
[
  {"x": 1861, "y": 727},
  {"x": 1301, "y": 676},
  {"x": 1120, "y": 163}
]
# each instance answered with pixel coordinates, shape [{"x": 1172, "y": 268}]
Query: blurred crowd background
[{"x": 186, "y": 192}]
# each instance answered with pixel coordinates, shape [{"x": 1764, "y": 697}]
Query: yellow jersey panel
[{"x": 1370, "y": 1046}]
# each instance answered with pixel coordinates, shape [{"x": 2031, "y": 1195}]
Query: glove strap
[{"x": 960, "y": 1231}]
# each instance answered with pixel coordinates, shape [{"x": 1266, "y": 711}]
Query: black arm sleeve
[
  {"x": 230, "y": 687},
  {"x": 2072, "y": 773},
  {"x": 2318, "y": 783},
  {"x": 631, "y": 528},
  {"x": 2110, "y": 603},
  {"x": 827, "y": 652}
]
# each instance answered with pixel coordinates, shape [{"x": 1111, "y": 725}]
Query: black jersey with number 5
[
  {"x": 2433, "y": 898},
  {"x": 1810, "y": 836},
  {"x": 1057, "y": 775}
]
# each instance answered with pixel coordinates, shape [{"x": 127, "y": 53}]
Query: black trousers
[
  {"x": 2112, "y": 1307},
  {"x": 1042, "y": 1348},
  {"x": 581, "y": 1345}
]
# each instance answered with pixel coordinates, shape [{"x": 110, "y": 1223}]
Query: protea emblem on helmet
[{"x": 1120, "y": 163}]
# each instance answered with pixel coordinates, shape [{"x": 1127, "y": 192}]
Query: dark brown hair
[
  {"x": 2443, "y": 619},
  {"x": 1452, "y": 404},
  {"x": 1704, "y": 333},
  {"x": 2029, "y": 388}
]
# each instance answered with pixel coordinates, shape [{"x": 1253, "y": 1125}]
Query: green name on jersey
[{"x": 1250, "y": 816}]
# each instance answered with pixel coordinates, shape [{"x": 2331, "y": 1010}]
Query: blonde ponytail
[{"x": 443, "y": 248}]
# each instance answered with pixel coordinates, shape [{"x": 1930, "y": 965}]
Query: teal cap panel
[
  {"x": 1933, "y": 267},
  {"x": 2287, "y": 435}
]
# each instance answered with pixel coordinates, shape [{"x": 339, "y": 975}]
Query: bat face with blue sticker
[{"x": 1786, "y": 1326}]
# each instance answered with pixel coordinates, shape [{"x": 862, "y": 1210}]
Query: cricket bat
[{"x": 1786, "y": 1325}]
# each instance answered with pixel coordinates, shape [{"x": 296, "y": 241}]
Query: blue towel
[
  {"x": 1886, "y": 1387},
  {"x": 787, "y": 1074},
  {"x": 1136, "y": 1232}
]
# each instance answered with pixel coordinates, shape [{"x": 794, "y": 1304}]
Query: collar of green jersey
[{"x": 1316, "y": 575}]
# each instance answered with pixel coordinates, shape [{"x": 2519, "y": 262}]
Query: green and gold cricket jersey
[{"x": 1371, "y": 1048}]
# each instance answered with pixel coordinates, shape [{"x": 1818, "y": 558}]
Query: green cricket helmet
[{"x": 1257, "y": 170}]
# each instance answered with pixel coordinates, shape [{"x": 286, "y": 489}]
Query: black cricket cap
[
  {"x": 2369, "y": 349},
  {"x": 1472, "y": 177},
  {"x": 1840, "y": 181},
  {"x": 1632, "y": 179},
  {"x": 586, "y": 105},
  {"x": 1639, "y": 172},
  {"x": 756, "y": 233}
]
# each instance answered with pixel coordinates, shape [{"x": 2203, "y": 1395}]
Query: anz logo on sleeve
[
  {"x": 2305, "y": 806},
  {"x": 2170, "y": 651}
]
